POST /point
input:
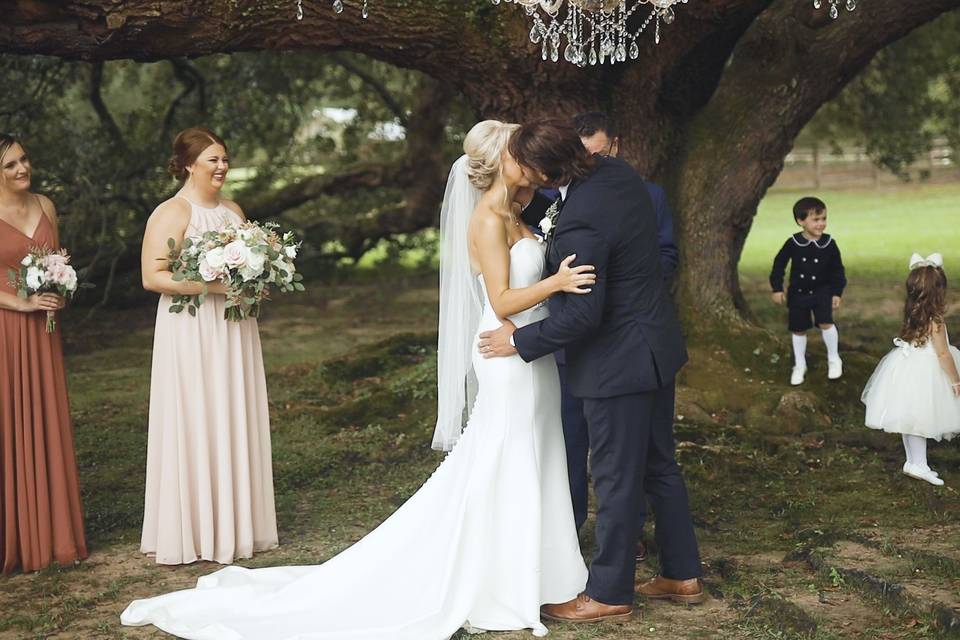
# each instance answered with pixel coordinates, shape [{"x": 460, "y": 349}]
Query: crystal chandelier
[
  {"x": 337, "y": 8},
  {"x": 835, "y": 6},
  {"x": 596, "y": 31}
]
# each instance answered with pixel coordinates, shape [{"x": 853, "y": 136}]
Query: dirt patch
[
  {"x": 840, "y": 612},
  {"x": 857, "y": 556}
]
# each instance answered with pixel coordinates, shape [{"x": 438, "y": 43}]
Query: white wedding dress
[{"x": 482, "y": 544}]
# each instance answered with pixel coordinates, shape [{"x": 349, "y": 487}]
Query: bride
[{"x": 490, "y": 535}]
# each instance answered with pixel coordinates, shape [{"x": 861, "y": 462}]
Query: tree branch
[
  {"x": 101, "y": 109},
  {"x": 360, "y": 176},
  {"x": 191, "y": 79},
  {"x": 375, "y": 85}
]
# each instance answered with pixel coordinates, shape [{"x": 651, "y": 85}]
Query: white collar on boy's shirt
[
  {"x": 563, "y": 191},
  {"x": 817, "y": 243}
]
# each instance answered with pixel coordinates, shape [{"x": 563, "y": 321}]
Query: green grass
[{"x": 876, "y": 230}]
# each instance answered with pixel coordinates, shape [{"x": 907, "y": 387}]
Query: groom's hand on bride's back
[{"x": 496, "y": 343}]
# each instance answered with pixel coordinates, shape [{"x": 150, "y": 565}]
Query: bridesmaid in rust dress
[{"x": 40, "y": 517}]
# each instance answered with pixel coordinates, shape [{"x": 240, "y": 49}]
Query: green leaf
[
  {"x": 177, "y": 276},
  {"x": 193, "y": 310},
  {"x": 171, "y": 243},
  {"x": 299, "y": 287},
  {"x": 176, "y": 308}
]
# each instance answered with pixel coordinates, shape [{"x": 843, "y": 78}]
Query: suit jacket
[
  {"x": 534, "y": 212},
  {"x": 624, "y": 336},
  {"x": 669, "y": 254}
]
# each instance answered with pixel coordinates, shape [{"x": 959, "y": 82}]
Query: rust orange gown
[{"x": 40, "y": 516}]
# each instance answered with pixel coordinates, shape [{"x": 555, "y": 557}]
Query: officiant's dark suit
[{"x": 623, "y": 348}]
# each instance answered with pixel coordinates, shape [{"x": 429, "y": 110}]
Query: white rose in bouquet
[
  {"x": 35, "y": 277},
  {"x": 70, "y": 282},
  {"x": 236, "y": 254},
  {"x": 255, "y": 265},
  {"x": 216, "y": 259},
  {"x": 290, "y": 251}
]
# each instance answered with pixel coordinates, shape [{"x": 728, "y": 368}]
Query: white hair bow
[{"x": 932, "y": 260}]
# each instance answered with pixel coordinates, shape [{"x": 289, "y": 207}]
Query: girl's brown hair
[
  {"x": 926, "y": 303},
  {"x": 187, "y": 147}
]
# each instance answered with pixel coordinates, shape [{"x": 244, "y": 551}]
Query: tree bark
[{"x": 710, "y": 113}]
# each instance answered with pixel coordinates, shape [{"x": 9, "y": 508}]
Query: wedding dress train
[{"x": 482, "y": 544}]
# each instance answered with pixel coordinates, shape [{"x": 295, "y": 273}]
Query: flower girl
[{"x": 915, "y": 389}]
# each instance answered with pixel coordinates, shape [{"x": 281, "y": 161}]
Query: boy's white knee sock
[
  {"x": 800, "y": 351},
  {"x": 831, "y": 338}
]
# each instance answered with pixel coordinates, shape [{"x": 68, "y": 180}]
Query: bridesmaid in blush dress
[
  {"x": 209, "y": 488},
  {"x": 40, "y": 517}
]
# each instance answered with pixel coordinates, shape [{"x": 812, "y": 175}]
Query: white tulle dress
[
  {"x": 909, "y": 393},
  {"x": 482, "y": 544}
]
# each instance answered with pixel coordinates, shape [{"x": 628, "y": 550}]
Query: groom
[{"x": 624, "y": 348}]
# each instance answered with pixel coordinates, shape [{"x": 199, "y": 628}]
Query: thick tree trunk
[{"x": 710, "y": 113}]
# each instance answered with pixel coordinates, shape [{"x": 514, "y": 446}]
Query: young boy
[{"x": 817, "y": 280}]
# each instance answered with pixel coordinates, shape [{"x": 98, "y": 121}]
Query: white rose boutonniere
[
  {"x": 546, "y": 225},
  {"x": 550, "y": 220}
]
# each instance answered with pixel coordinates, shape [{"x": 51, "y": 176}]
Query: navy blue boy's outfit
[{"x": 816, "y": 275}]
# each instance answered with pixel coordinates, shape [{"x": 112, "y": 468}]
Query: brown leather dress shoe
[
  {"x": 682, "y": 591},
  {"x": 583, "y": 608}
]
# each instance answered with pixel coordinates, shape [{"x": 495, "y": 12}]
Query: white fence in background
[{"x": 815, "y": 167}]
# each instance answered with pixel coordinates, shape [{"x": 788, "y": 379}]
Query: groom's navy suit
[{"x": 623, "y": 348}]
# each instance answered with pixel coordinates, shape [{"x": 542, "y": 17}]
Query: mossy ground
[{"x": 807, "y": 528}]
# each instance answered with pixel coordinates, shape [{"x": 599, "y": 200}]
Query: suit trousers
[
  {"x": 632, "y": 455},
  {"x": 577, "y": 440}
]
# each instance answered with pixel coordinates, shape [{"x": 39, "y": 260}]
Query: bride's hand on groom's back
[{"x": 574, "y": 279}]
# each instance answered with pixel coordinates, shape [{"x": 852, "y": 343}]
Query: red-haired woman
[
  {"x": 209, "y": 490},
  {"x": 40, "y": 516}
]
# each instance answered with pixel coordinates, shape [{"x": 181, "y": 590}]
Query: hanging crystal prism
[
  {"x": 849, "y": 5},
  {"x": 338, "y": 7},
  {"x": 535, "y": 35},
  {"x": 598, "y": 30}
]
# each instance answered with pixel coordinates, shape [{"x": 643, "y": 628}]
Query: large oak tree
[{"x": 710, "y": 112}]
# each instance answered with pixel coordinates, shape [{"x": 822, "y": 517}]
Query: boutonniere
[{"x": 550, "y": 219}]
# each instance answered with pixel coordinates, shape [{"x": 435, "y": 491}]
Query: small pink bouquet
[{"x": 45, "y": 271}]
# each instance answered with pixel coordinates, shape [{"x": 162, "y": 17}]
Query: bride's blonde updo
[{"x": 484, "y": 146}]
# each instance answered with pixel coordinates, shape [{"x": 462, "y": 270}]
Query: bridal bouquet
[
  {"x": 248, "y": 259},
  {"x": 45, "y": 271}
]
